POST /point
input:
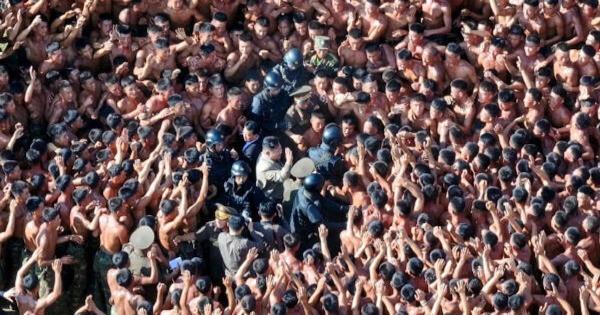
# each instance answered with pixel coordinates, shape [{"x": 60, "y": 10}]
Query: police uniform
[
  {"x": 269, "y": 111},
  {"x": 330, "y": 165},
  {"x": 234, "y": 248},
  {"x": 300, "y": 170},
  {"x": 244, "y": 198},
  {"x": 292, "y": 78},
  {"x": 310, "y": 212},
  {"x": 220, "y": 164}
]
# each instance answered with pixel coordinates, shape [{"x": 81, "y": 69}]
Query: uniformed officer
[
  {"x": 323, "y": 59},
  {"x": 326, "y": 161},
  {"x": 241, "y": 193},
  {"x": 269, "y": 106},
  {"x": 234, "y": 247},
  {"x": 292, "y": 70},
  {"x": 300, "y": 170},
  {"x": 267, "y": 229},
  {"x": 297, "y": 116},
  {"x": 218, "y": 159},
  {"x": 310, "y": 210}
]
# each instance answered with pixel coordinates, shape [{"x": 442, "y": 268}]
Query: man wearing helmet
[
  {"x": 326, "y": 161},
  {"x": 292, "y": 70},
  {"x": 310, "y": 210},
  {"x": 218, "y": 159},
  {"x": 270, "y": 105},
  {"x": 241, "y": 193}
]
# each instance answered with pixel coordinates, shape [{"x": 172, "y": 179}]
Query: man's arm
[
  {"x": 44, "y": 302},
  {"x": 23, "y": 270}
]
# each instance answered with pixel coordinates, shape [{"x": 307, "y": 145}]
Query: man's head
[{"x": 271, "y": 148}]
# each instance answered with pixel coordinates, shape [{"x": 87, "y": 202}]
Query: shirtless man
[
  {"x": 196, "y": 99},
  {"x": 372, "y": 21},
  {"x": 35, "y": 45},
  {"x": 560, "y": 115},
  {"x": 437, "y": 17},
  {"x": 158, "y": 102},
  {"x": 215, "y": 103},
  {"x": 64, "y": 101},
  {"x": 380, "y": 58},
  {"x": 35, "y": 98},
  {"x": 400, "y": 13},
  {"x": 574, "y": 29},
  {"x": 285, "y": 36},
  {"x": 221, "y": 36},
  {"x": 312, "y": 136},
  {"x": 585, "y": 61},
  {"x": 265, "y": 45},
  {"x": 456, "y": 68},
  {"x": 352, "y": 50},
  {"x": 34, "y": 206},
  {"x": 113, "y": 234},
  {"x": 158, "y": 61},
  {"x": 565, "y": 69},
  {"x": 55, "y": 60},
  {"x": 432, "y": 61},
  {"x": 241, "y": 61},
  {"x": 531, "y": 18},
  {"x": 415, "y": 42},
  {"x": 169, "y": 221},
  {"x": 340, "y": 14},
  {"x": 91, "y": 91},
  {"x": 410, "y": 68},
  {"x": 133, "y": 98},
  {"x": 231, "y": 115},
  {"x": 125, "y": 302},
  {"x": 180, "y": 14},
  {"x": 494, "y": 58},
  {"x": 555, "y": 25},
  {"x": 27, "y": 289}
]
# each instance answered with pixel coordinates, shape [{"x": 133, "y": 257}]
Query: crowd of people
[{"x": 299, "y": 157}]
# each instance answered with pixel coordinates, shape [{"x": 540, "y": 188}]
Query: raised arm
[{"x": 48, "y": 300}]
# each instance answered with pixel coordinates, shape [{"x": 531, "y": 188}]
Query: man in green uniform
[{"x": 323, "y": 59}]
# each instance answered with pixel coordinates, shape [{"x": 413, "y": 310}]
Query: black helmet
[
  {"x": 214, "y": 137},
  {"x": 240, "y": 168},
  {"x": 273, "y": 80},
  {"x": 332, "y": 136},
  {"x": 293, "y": 58},
  {"x": 314, "y": 182}
]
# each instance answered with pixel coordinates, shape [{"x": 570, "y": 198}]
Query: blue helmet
[
  {"x": 314, "y": 183},
  {"x": 240, "y": 168},
  {"x": 213, "y": 137},
  {"x": 332, "y": 136},
  {"x": 273, "y": 80},
  {"x": 293, "y": 58}
]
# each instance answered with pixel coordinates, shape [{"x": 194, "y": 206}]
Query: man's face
[
  {"x": 67, "y": 94},
  {"x": 374, "y": 57},
  {"x": 347, "y": 129},
  {"x": 192, "y": 88},
  {"x": 505, "y": 106},
  {"x": 106, "y": 27},
  {"x": 338, "y": 88},
  {"x": 114, "y": 89},
  {"x": 285, "y": 28},
  {"x": 87, "y": 52},
  {"x": 247, "y": 135},
  {"x": 452, "y": 58},
  {"x": 245, "y": 47},
  {"x": 260, "y": 31},
  {"x": 253, "y": 86},
  {"x": 176, "y": 4},
  {"x": 301, "y": 28},
  {"x": 370, "y": 87},
  {"x": 414, "y": 36},
  {"x": 124, "y": 40},
  {"x": 42, "y": 29},
  {"x": 220, "y": 27},
  {"x": 275, "y": 154},
  {"x": 322, "y": 53},
  {"x": 456, "y": 93},
  {"x": 130, "y": 90},
  {"x": 355, "y": 43},
  {"x": 555, "y": 101},
  {"x": 588, "y": 10},
  {"x": 321, "y": 83},
  {"x": 162, "y": 54},
  {"x": 529, "y": 11},
  {"x": 236, "y": 102},
  {"x": 218, "y": 91},
  {"x": 57, "y": 57},
  {"x": 240, "y": 180},
  {"x": 531, "y": 49},
  {"x": 548, "y": 9},
  {"x": 417, "y": 107},
  {"x": 371, "y": 9},
  {"x": 4, "y": 78},
  {"x": 337, "y": 3},
  {"x": 317, "y": 124}
]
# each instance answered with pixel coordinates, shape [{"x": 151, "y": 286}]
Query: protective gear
[
  {"x": 331, "y": 166},
  {"x": 220, "y": 167},
  {"x": 293, "y": 58},
  {"x": 240, "y": 168},
  {"x": 311, "y": 210},
  {"x": 314, "y": 183},
  {"x": 332, "y": 136},
  {"x": 268, "y": 111},
  {"x": 273, "y": 80},
  {"x": 214, "y": 137},
  {"x": 245, "y": 198}
]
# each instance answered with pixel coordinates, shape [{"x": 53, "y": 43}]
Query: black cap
[
  {"x": 115, "y": 203},
  {"x": 9, "y": 166},
  {"x": 33, "y": 203}
]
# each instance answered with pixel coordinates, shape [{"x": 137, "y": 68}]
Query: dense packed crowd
[{"x": 299, "y": 157}]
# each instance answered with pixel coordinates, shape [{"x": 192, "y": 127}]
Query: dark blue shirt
[{"x": 269, "y": 111}]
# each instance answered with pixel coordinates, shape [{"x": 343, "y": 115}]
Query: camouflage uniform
[
  {"x": 75, "y": 292},
  {"x": 46, "y": 277}
]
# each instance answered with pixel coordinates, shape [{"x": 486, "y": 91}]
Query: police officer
[
  {"x": 292, "y": 70},
  {"x": 241, "y": 193},
  {"x": 218, "y": 159},
  {"x": 326, "y": 161},
  {"x": 310, "y": 210},
  {"x": 270, "y": 105}
]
